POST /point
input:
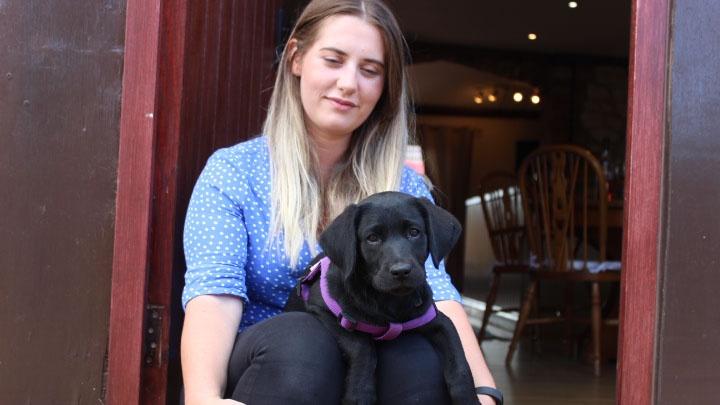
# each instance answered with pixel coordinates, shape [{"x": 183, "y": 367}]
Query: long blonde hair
[{"x": 301, "y": 205}]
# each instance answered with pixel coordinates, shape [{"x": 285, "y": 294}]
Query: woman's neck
[{"x": 329, "y": 151}]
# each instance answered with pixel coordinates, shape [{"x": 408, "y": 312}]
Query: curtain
[{"x": 447, "y": 153}]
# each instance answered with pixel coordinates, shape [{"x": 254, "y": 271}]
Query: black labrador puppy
[{"x": 371, "y": 285}]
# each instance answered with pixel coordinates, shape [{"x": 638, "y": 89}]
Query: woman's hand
[{"x": 486, "y": 400}]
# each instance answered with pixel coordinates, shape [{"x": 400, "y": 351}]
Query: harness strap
[{"x": 389, "y": 332}]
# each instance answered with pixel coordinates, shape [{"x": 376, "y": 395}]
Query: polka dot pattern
[{"x": 227, "y": 229}]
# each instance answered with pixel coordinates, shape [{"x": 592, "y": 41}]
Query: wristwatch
[{"x": 495, "y": 393}]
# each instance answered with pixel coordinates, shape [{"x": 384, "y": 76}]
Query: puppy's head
[{"x": 385, "y": 240}]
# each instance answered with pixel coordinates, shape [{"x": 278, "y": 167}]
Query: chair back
[
  {"x": 502, "y": 208},
  {"x": 565, "y": 204}
]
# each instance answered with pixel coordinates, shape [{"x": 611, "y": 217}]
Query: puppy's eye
[
  {"x": 414, "y": 232},
  {"x": 373, "y": 238}
]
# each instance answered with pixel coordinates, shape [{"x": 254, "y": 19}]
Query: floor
[{"x": 542, "y": 372}]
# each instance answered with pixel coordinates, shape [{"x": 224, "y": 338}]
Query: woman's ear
[{"x": 295, "y": 58}]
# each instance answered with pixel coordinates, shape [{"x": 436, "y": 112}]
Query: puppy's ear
[
  {"x": 339, "y": 240},
  {"x": 443, "y": 230}
]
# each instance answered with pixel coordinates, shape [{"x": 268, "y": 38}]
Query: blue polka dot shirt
[{"x": 227, "y": 230}]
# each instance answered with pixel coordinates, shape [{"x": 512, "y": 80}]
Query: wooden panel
[
  {"x": 215, "y": 74},
  {"x": 688, "y": 360},
  {"x": 169, "y": 106},
  {"x": 646, "y": 131},
  {"x": 60, "y": 85},
  {"x": 134, "y": 193}
]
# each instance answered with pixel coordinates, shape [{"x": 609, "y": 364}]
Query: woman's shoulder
[
  {"x": 250, "y": 150},
  {"x": 414, "y": 183},
  {"x": 245, "y": 162},
  {"x": 251, "y": 154}
]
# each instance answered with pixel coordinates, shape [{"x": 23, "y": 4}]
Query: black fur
[{"x": 378, "y": 249}]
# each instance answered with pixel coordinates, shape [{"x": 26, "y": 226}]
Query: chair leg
[
  {"x": 490, "y": 301},
  {"x": 527, "y": 305},
  {"x": 535, "y": 313},
  {"x": 596, "y": 327},
  {"x": 568, "y": 315}
]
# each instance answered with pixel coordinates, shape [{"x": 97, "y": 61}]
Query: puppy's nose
[{"x": 400, "y": 270}]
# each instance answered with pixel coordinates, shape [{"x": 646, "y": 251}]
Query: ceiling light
[
  {"x": 535, "y": 98},
  {"x": 573, "y": 4},
  {"x": 517, "y": 96},
  {"x": 492, "y": 97},
  {"x": 532, "y": 36},
  {"x": 478, "y": 99}
]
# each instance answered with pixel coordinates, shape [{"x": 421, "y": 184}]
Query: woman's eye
[
  {"x": 414, "y": 232},
  {"x": 372, "y": 238},
  {"x": 332, "y": 61},
  {"x": 370, "y": 72}
]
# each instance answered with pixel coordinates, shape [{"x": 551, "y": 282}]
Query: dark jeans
[{"x": 293, "y": 359}]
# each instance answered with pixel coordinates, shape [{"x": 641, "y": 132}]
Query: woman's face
[{"x": 341, "y": 76}]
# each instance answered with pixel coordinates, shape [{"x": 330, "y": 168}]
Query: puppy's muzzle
[{"x": 401, "y": 271}]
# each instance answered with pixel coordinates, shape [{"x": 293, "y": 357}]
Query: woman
[{"x": 336, "y": 132}]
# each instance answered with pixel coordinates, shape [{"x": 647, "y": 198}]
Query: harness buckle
[{"x": 347, "y": 322}]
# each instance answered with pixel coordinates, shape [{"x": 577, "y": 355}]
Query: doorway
[{"x": 194, "y": 118}]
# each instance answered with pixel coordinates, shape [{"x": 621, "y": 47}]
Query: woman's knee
[
  {"x": 410, "y": 370},
  {"x": 291, "y": 355},
  {"x": 296, "y": 336}
]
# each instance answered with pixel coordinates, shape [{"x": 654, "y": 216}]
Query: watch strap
[{"x": 495, "y": 393}]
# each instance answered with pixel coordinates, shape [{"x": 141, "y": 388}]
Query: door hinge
[{"x": 153, "y": 335}]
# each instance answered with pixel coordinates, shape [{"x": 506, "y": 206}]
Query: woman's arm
[
  {"x": 209, "y": 331},
  {"x": 481, "y": 373}
]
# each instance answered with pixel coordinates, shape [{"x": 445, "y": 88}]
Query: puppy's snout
[{"x": 400, "y": 270}]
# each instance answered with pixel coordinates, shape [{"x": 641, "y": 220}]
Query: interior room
[{"x": 493, "y": 81}]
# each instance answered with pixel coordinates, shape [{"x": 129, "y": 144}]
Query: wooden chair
[
  {"x": 502, "y": 208},
  {"x": 565, "y": 205}
]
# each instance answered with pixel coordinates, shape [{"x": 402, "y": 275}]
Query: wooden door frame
[
  {"x": 133, "y": 201},
  {"x": 647, "y": 101},
  {"x": 146, "y": 187}
]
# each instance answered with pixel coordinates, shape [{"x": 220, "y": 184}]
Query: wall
[
  {"x": 60, "y": 86},
  {"x": 494, "y": 144},
  {"x": 493, "y": 148}
]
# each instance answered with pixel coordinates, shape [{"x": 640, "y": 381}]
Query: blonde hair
[{"x": 301, "y": 205}]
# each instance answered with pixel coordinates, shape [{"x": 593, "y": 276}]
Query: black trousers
[{"x": 293, "y": 359}]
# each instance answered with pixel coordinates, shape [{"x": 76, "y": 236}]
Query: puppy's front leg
[
  {"x": 361, "y": 360},
  {"x": 458, "y": 378}
]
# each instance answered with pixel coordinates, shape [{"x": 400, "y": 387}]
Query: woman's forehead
[{"x": 351, "y": 35}]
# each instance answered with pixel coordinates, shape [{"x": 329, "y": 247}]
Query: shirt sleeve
[
  {"x": 442, "y": 288},
  {"x": 215, "y": 236}
]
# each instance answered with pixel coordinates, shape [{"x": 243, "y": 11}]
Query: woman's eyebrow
[{"x": 343, "y": 53}]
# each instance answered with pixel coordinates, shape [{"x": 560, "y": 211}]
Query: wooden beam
[
  {"x": 647, "y": 102},
  {"x": 133, "y": 201}
]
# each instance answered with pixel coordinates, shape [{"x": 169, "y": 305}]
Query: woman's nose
[{"x": 347, "y": 81}]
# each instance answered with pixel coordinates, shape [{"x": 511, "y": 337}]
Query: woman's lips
[{"x": 342, "y": 104}]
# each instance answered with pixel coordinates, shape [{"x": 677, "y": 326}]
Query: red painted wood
[
  {"x": 641, "y": 245},
  {"x": 215, "y": 61},
  {"x": 134, "y": 192},
  {"x": 164, "y": 208}
]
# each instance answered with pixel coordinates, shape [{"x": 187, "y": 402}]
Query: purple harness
[{"x": 389, "y": 332}]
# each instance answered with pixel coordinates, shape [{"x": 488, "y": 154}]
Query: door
[{"x": 195, "y": 79}]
